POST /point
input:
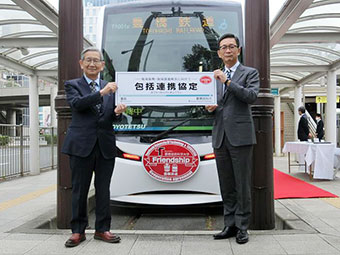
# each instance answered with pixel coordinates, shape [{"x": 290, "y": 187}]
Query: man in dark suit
[
  {"x": 319, "y": 127},
  {"x": 303, "y": 129},
  {"x": 233, "y": 137},
  {"x": 90, "y": 143}
]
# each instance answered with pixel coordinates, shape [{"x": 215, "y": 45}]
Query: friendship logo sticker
[{"x": 171, "y": 160}]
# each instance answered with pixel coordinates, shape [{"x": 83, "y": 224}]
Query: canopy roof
[
  {"x": 305, "y": 41},
  {"x": 28, "y": 38}
]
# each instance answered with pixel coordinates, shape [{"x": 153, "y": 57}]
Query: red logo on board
[
  {"x": 205, "y": 80},
  {"x": 171, "y": 160}
]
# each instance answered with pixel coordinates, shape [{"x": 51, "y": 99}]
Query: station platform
[{"x": 27, "y": 200}]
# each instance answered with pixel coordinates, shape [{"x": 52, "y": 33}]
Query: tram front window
[{"x": 166, "y": 39}]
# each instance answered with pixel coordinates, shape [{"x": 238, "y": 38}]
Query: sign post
[
  {"x": 274, "y": 91},
  {"x": 323, "y": 99}
]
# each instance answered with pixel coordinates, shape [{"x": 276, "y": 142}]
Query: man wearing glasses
[
  {"x": 233, "y": 137},
  {"x": 90, "y": 143}
]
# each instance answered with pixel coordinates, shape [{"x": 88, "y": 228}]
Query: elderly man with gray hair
[{"x": 91, "y": 145}]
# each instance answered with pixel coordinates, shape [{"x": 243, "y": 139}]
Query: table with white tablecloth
[{"x": 319, "y": 157}]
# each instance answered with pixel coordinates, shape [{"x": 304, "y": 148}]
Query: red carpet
[{"x": 286, "y": 186}]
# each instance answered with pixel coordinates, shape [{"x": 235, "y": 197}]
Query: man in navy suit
[
  {"x": 90, "y": 142},
  {"x": 303, "y": 129},
  {"x": 233, "y": 137}
]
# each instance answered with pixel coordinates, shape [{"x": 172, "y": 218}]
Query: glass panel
[
  {"x": 16, "y": 54},
  {"x": 6, "y": 2},
  {"x": 14, "y": 28},
  {"x": 52, "y": 65},
  {"x": 3, "y": 50},
  {"x": 316, "y": 23},
  {"x": 6, "y": 14},
  {"x": 33, "y": 61},
  {"x": 330, "y": 8},
  {"x": 300, "y": 59},
  {"x": 295, "y": 75},
  {"x": 277, "y": 77},
  {"x": 293, "y": 52},
  {"x": 123, "y": 31},
  {"x": 40, "y": 59},
  {"x": 280, "y": 77}
]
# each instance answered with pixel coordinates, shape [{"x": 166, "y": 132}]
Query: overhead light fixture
[{"x": 24, "y": 51}]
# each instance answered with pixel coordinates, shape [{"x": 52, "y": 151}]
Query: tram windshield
[{"x": 166, "y": 38}]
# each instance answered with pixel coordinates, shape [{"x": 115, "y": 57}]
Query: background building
[{"x": 91, "y": 12}]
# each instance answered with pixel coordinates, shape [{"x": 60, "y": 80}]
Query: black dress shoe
[
  {"x": 242, "y": 236},
  {"x": 227, "y": 232}
]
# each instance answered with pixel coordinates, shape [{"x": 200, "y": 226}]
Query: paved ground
[{"x": 26, "y": 202}]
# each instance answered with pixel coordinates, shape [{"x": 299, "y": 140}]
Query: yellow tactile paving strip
[
  {"x": 27, "y": 197},
  {"x": 335, "y": 201}
]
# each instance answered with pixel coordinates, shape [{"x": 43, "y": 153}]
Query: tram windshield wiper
[
  {"x": 164, "y": 133},
  {"x": 151, "y": 139}
]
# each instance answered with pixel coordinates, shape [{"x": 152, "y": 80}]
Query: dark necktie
[
  {"x": 94, "y": 90},
  {"x": 228, "y": 74}
]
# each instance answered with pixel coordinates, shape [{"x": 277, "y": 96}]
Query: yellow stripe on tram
[{"x": 27, "y": 197}]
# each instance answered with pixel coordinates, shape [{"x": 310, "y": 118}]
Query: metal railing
[
  {"x": 24, "y": 83},
  {"x": 48, "y": 147},
  {"x": 14, "y": 149},
  {"x": 10, "y": 83}
]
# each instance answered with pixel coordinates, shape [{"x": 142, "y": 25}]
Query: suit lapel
[
  {"x": 84, "y": 87},
  {"x": 85, "y": 90},
  {"x": 238, "y": 73},
  {"x": 219, "y": 91}
]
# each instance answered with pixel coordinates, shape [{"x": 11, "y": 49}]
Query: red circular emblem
[
  {"x": 171, "y": 160},
  {"x": 205, "y": 79}
]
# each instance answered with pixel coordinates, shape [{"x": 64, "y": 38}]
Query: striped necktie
[
  {"x": 228, "y": 74},
  {"x": 94, "y": 90}
]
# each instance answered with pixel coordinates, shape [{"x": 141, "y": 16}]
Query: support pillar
[
  {"x": 330, "y": 130},
  {"x": 277, "y": 124},
  {"x": 11, "y": 118},
  {"x": 70, "y": 44},
  {"x": 303, "y": 95},
  {"x": 34, "y": 125},
  {"x": 257, "y": 55},
  {"x": 297, "y": 104},
  {"x": 318, "y": 108},
  {"x": 53, "y": 122},
  {"x": 53, "y": 115}
]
